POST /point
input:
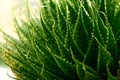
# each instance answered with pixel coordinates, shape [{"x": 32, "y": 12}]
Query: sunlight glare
[
  {"x": 6, "y": 17},
  {"x": 3, "y": 74}
]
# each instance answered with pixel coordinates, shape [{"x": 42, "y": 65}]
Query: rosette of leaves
[{"x": 70, "y": 40}]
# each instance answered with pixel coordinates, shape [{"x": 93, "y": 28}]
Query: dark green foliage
[{"x": 70, "y": 40}]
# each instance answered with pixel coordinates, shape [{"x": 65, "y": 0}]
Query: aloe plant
[{"x": 70, "y": 40}]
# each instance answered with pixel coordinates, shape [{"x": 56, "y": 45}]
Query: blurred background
[{"x": 7, "y": 7}]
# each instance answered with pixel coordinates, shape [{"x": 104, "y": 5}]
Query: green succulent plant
[{"x": 70, "y": 40}]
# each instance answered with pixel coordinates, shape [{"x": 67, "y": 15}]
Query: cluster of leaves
[{"x": 70, "y": 40}]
